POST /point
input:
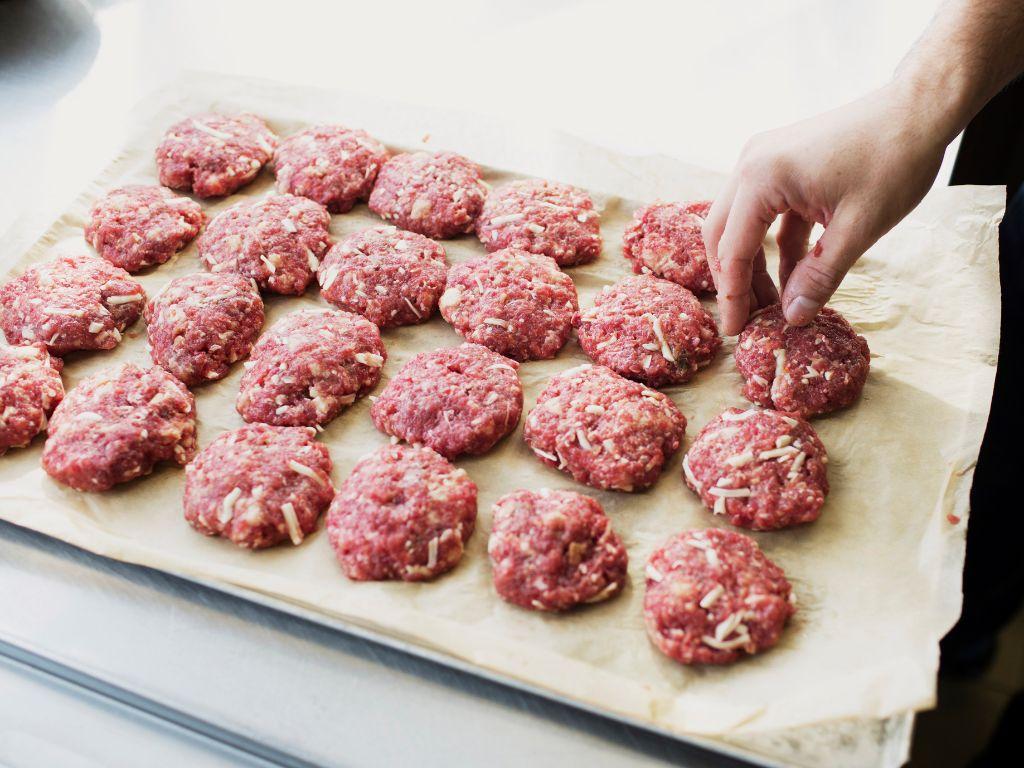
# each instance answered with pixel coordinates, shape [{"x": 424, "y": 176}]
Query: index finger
[
  {"x": 714, "y": 225},
  {"x": 748, "y": 220}
]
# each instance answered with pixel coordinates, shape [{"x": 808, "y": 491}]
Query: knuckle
[{"x": 821, "y": 276}]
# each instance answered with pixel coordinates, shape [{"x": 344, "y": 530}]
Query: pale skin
[{"x": 857, "y": 170}]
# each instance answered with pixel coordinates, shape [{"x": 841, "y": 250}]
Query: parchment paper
[{"x": 878, "y": 576}]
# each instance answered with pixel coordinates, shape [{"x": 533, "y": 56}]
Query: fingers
[
  {"x": 817, "y": 275},
  {"x": 794, "y": 231},
  {"x": 765, "y": 292},
  {"x": 714, "y": 225},
  {"x": 740, "y": 243}
]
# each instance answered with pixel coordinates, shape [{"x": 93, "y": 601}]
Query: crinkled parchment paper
[{"x": 878, "y": 576}]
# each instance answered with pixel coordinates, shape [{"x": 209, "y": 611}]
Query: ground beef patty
[
  {"x": 438, "y": 195},
  {"x": 650, "y": 330},
  {"x": 70, "y": 303},
  {"x": 118, "y": 424},
  {"x": 259, "y": 485},
  {"x": 543, "y": 217},
  {"x": 334, "y": 165},
  {"x": 553, "y": 550},
  {"x": 760, "y": 469},
  {"x": 808, "y": 370},
  {"x": 310, "y": 366},
  {"x": 404, "y": 513},
  {"x": 201, "y": 323},
  {"x": 665, "y": 240},
  {"x": 518, "y": 304},
  {"x": 389, "y": 276},
  {"x": 712, "y": 596},
  {"x": 277, "y": 241},
  {"x": 138, "y": 226},
  {"x": 456, "y": 400},
  {"x": 604, "y": 430},
  {"x": 30, "y": 388},
  {"x": 213, "y": 155}
]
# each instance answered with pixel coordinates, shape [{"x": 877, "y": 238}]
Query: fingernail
[{"x": 801, "y": 310}]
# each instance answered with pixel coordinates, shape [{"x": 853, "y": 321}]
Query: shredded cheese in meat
[
  {"x": 740, "y": 459},
  {"x": 292, "y": 521},
  {"x": 227, "y": 506},
  {"x": 659, "y": 333},
  {"x": 712, "y": 596},
  {"x": 126, "y": 299},
  {"x": 432, "y": 546},
  {"x": 309, "y": 472},
  {"x": 730, "y": 493},
  {"x": 371, "y": 359}
]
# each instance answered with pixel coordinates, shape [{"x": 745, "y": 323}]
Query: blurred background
[{"x": 688, "y": 79}]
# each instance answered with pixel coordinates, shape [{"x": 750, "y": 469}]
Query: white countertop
[{"x": 688, "y": 79}]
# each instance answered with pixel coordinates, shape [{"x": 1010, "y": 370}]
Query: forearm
[{"x": 970, "y": 51}]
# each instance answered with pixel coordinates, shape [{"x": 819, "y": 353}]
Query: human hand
[{"x": 857, "y": 170}]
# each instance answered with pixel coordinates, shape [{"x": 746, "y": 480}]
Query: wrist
[{"x": 937, "y": 104}]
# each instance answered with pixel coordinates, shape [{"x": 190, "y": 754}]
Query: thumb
[{"x": 817, "y": 275}]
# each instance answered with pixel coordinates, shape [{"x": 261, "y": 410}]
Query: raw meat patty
[
  {"x": 213, "y": 155},
  {"x": 389, "y": 276},
  {"x": 552, "y": 550},
  {"x": 456, "y": 400},
  {"x": 712, "y": 596},
  {"x": 138, "y": 226},
  {"x": 310, "y": 366},
  {"x": 70, "y": 303},
  {"x": 259, "y": 485},
  {"x": 665, "y": 239},
  {"x": 118, "y": 424},
  {"x": 604, "y": 430},
  {"x": 334, "y": 165},
  {"x": 518, "y": 304},
  {"x": 808, "y": 370},
  {"x": 650, "y": 330},
  {"x": 30, "y": 388},
  {"x": 277, "y": 241},
  {"x": 201, "y": 323},
  {"x": 543, "y": 217},
  {"x": 404, "y": 513},
  {"x": 438, "y": 195},
  {"x": 761, "y": 469}
]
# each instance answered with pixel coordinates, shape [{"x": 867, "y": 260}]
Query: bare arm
[{"x": 857, "y": 170}]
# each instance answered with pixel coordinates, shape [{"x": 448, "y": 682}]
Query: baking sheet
[{"x": 877, "y": 577}]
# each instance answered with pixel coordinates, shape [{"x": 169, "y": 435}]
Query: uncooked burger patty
[
  {"x": 213, "y": 155},
  {"x": 309, "y": 367},
  {"x": 543, "y": 217},
  {"x": 760, "y": 469},
  {"x": 514, "y": 302},
  {"x": 665, "y": 240},
  {"x": 200, "y": 324},
  {"x": 713, "y": 596},
  {"x": 138, "y": 226},
  {"x": 70, "y": 304},
  {"x": 650, "y": 330},
  {"x": 604, "y": 430},
  {"x": 259, "y": 485},
  {"x": 389, "y": 276},
  {"x": 553, "y": 550},
  {"x": 277, "y": 241},
  {"x": 30, "y": 388},
  {"x": 117, "y": 425},
  {"x": 455, "y": 400},
  {"x": 438, "y": 195},
  {"x": 334, "y": 165},
  {"x": 404, "y": 513},
  {"x": 808, "y": 370}
]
